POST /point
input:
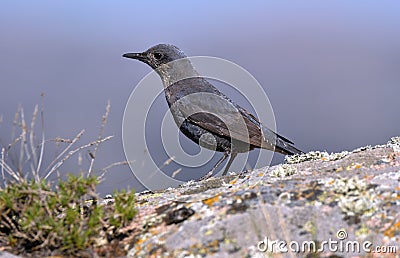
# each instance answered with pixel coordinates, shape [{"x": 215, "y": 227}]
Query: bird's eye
[{"x": 158, "y": 56}]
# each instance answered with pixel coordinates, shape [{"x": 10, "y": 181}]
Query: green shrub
[{"x": 33, "y": 217}]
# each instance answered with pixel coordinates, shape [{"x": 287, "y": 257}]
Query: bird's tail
[{"x": 286, "y": 147}]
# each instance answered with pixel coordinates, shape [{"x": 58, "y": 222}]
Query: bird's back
[{"x": 203, "y": 105}]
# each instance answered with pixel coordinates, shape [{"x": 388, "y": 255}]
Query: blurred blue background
[{"x": 330, "y": 68}]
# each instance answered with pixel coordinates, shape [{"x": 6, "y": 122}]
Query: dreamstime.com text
[{"x": 339, "y": 245}]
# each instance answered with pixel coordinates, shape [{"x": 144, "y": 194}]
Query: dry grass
[{"x": 54, "y": 218}]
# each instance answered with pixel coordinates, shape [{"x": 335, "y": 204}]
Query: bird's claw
[{"x": 205, "y": 177}]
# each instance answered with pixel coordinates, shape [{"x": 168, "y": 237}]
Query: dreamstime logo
[
  {"x": 135, "y": 137},
  {"x": 341, "y": 234},
  {"x": 341, "y": 245}
]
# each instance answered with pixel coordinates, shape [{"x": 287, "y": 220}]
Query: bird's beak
[{"x": 138, "y": 56}]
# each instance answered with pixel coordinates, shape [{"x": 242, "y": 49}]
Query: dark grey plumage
[{"x": 204, "y": 114}]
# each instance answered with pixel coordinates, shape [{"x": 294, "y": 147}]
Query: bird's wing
[
  {"x": 218, "y": 115},
  {"x": 281, "y": 144},
  {"x": 265, "y": 128},
  {"x": 202, "y": 104}
]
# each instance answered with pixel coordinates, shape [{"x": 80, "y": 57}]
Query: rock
[
  {"x": 316, "y": 200},
  {"x": 4, "y": 254}
]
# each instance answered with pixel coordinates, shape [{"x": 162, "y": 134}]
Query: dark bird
[{"x": 204, "y": 114}]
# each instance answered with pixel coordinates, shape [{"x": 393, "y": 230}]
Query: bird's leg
[
  {"x": 209, "y": 174},
  {"x": 233, "y": 156}
]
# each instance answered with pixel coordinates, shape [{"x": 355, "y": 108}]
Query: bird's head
[{"x": 158, "y": 55}]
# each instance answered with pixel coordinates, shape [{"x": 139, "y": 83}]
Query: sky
[{"x": 330, "y": 68}]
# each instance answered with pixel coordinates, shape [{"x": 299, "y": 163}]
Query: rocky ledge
[{"x": 315, "y": 205}]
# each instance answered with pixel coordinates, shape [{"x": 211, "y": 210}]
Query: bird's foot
[{"x": 205, "y": 177}]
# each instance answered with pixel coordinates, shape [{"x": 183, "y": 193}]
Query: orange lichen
[
  {"x": 233, "y": 181},
  {"x": 212, "y": 200},
  {"x": 392, "y": 230}
]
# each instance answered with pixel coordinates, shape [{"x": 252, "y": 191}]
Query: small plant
[
  {"x": 33, "y": 217},
  {"x": 55, "y": 217},
  {"x": 123, "y": 212}
]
